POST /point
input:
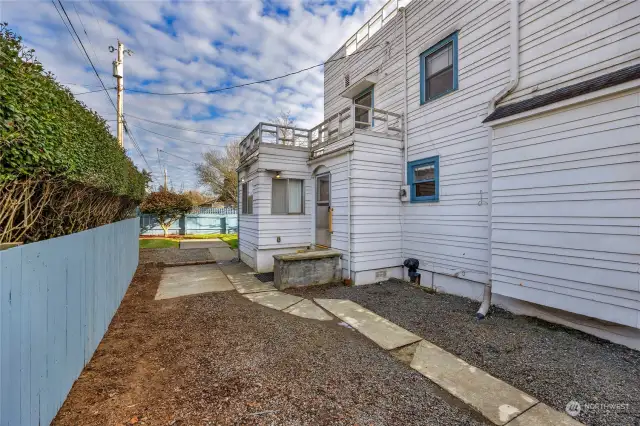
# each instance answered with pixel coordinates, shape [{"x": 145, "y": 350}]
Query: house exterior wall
[
  {"x": 561, "y": 43},
  {"x": 260, "y": 230},
  {"x": 566, "y": 209},
  {"x": 376, "y": 169},
  {"x": 564, "y": 43}
]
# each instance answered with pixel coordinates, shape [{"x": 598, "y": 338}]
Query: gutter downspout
[
  {"x": 515, "y": 78},
  {"x": 349, "y": 210},
  {"x": 405, "y": 145}
]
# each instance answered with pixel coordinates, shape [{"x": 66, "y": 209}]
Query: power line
[
  {"x": 95, "y": 55},
  {"x": 68, "y": 29},
  {"x": 206, "y": 132},
  {"x": 87, "y": 54},
  {"x": 171, "y": 137},
  {"x": 177, "y": 156},
  {"x": 252, "y": 82},
  {"x": 135, "y": 143},
  {"x": 91, "y": 91}
]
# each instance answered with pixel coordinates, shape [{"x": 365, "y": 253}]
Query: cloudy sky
[{"x": 192, "y": 46}]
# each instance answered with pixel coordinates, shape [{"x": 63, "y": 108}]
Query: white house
[{"x": 496, "y": 142}]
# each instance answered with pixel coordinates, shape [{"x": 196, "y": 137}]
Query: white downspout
[
  {"x": 349, "y": 210},
  {"x": 406, "y": 105},
  {"x": 405, "y": 145},
  {"x": 515, "y": 77}
]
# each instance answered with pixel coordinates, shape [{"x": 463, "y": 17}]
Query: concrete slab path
[
  {"x": 273, "y": 299},
  {"x": 222, "y": 254},
  {"x": 493, "y": 398},
  {"x": 382, "y": 331},
  {"x": 307, "y": 309},
  {"x": 187, "y": 280},
  {"x": 202, "y": 243}
]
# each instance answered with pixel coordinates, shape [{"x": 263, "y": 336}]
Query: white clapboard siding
[
  {"x": 260, "y": 231},
  {"x": 566, "y": 209},
  {"x": 563, "y": 43}
]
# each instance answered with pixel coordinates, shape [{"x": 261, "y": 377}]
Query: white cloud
[{"x": 192, "y": 46}]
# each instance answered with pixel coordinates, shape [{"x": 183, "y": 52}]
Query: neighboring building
[{"x": 512, "y": 127}]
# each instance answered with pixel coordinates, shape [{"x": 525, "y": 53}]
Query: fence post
[{"x": 223, "y": 225}]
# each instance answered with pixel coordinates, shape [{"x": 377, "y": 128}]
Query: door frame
[{"x": 323, "y": 203}]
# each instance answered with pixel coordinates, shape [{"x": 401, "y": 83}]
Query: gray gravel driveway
[{"x": 553, "y": 363}]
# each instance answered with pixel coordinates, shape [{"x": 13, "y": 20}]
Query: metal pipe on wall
[
  {"x": 515, "y": 77},
  {"x": 349, "y": 209}
]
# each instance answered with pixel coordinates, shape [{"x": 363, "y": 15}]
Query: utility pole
[
  {"x": 118, "y": 73},
  {"x": 165, "y": 178}
]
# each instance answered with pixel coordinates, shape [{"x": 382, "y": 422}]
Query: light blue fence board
[
  {"x": 197, "y": 223},
  {"x": 57, "y": 298}
]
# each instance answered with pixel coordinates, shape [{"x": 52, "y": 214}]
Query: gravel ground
[
  {"x": 553, "y": 363},
  {"x": 217, "y": 358},
  {"x": 173, "y": 255}
]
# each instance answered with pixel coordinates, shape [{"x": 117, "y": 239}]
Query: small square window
[
  {"x": 439, "y": 69},
  {"x": 423, "y": 179},
  {"x": 287, "y": 196}
]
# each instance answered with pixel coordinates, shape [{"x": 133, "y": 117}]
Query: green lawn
[
  {"x": 231, "y": 239},
  {"x": 147, "y": 243}
]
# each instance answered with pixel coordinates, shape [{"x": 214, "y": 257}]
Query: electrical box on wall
[{"x": 404, "y": 193}]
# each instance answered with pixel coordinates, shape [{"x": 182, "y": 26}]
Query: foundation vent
[{"x": 381, "y": 274}]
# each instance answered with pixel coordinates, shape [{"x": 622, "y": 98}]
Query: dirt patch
[
  {"x": 217, "y": 358},
  {"x": 551, "y": 362},
  {"x": 174, "y": 255}
]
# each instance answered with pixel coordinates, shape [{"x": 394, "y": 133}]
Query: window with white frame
[
  {"x": 287, "y": 196},
  {"x": 439, "y": 69},
  {"x": 247, "y": 199},
  {"x": 424, "y": 179}
]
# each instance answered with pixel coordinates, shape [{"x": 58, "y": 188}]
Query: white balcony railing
[{"x": 318, "y": 138}]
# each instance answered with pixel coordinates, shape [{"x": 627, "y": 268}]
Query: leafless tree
[
  {"x": 284, "y": 119},
  {"x": 218, "y": 172}
]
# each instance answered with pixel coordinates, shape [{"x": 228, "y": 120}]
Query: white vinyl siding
[{"x": 566, "y": 203}]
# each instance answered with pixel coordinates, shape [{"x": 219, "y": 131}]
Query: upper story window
[
  {"x": 363, "y": 109},
  {"x": 424, "y": 179},
  {"x": 439, "y": 69},
  {"x": 287, "y": 196}
]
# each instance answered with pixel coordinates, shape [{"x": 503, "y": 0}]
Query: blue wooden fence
[
  {"x": 196, "y": 223},
  {"x": 57, "y": 298}
]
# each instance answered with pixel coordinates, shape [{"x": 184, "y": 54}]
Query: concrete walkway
[
  {"x": 188, "y": 280},
  {"x": 497, "y": 401}
]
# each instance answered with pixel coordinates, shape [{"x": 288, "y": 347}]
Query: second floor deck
[{"x": 321, "y": 139}]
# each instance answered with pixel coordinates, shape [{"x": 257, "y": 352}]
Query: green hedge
[{"x": 45, "y": 131}]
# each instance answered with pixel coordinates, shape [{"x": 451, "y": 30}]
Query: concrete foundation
[{"x": 306, "y": 269}]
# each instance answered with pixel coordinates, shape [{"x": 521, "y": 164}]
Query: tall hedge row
[{"x": 45, "y": 131}]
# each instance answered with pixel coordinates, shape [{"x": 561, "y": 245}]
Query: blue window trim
[
  {"x": 411, "y": 165},
  {"x": 452, "y": 38},
  {"x": 361, "y": 94}
]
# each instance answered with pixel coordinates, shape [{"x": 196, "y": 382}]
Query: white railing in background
[
  {"x": 273, "y": 134},
  {"x": 316, "y": 139},
  {"x": 380, "y": 19}
]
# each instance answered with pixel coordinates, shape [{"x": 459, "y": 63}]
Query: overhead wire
[
  {"x": 171, "y": 137},
  {"x": 135, "y": 143},
  {"x": 206, "y": 132},
  {"x": 252, "y": 82},
  {"x": 177, "y": 156}
]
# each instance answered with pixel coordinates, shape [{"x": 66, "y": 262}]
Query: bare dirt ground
[
  {"x": 218, "y": 358},
  {"x": 174, "y": 255},
  {"x": 553, "y": 363}
]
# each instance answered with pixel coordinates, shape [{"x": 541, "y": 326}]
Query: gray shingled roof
[{"x": 612, "y": 79}]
